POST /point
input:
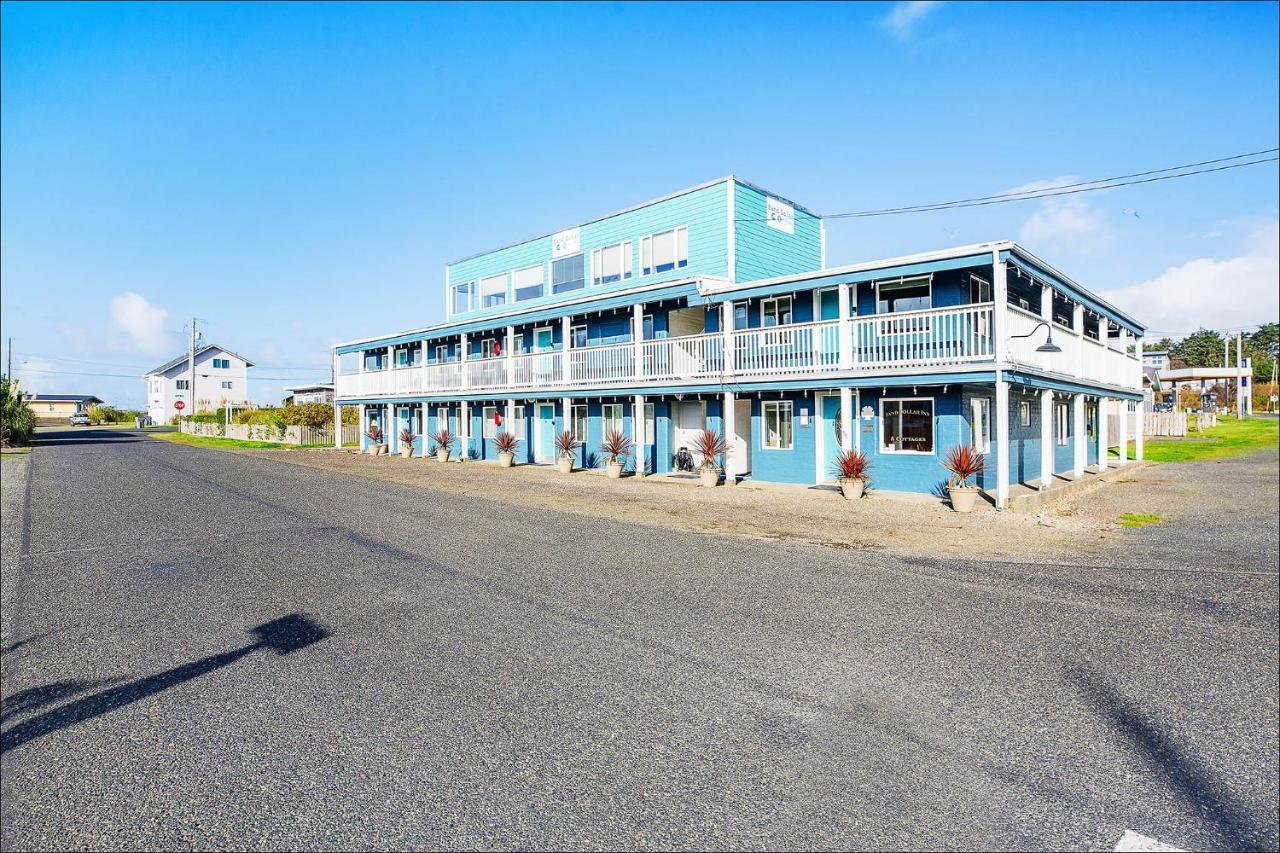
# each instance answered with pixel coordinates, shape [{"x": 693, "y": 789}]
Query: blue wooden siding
[{"x": 762, "y": 251}]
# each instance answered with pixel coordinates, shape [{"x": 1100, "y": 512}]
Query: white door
[
  {"x": 690, "y": 419},
  {"x": 742, "y": 436}
]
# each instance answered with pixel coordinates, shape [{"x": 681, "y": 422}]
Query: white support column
[
  {"x": 1001, "y": 415},
  {"x": 1077, "y": 323},
  {"x": 637, "y": 338},
  {"x": 857, "y": 429},
  {"x": 337, "y": 407},
  {"x": 362, "y": 426},
  {"x": 509, "y": 353},
  {"x": 390, "y": 434},
  {"x": 1104, "y": 439},
  {"x": 508, "y": 419},
  {"x": 464, "y": 431},
  {"x": 462, "y": 357},
  {"x": 1139, "y": 428},
  {"x": 846, "y": 419},
  {"x": 1239, "y": 376},
  {"x": 1122, "y": 433},
  {"x": 566, "y": 409},
  {"x": 728, "y": 415},
  {"x": 845, "y": 329},
  {"x": 726, "y": 336},
  {"x": 999, "y": 319},
  {"x": 566, "y": 343},
  {"x": 1046, "y": 438},
  {"x": 1079, "y": 436},
  {"x": 638, "y": 433}
]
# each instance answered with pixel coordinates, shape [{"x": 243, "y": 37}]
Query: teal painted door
[
  {"x": 829, "y": 305},
  {"x": 830, "y": 436},
  {"x": 542, "y": 340},
  {"x": 545, "y": 432}
]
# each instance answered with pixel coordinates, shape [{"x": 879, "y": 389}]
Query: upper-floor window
[
  {"x": 527, "y": 283},
  {"x": 979, "y": 289},
  {"x": 611, "y": 263},
  {"x": 182, "y": 384},
  {"x": 775, "y": 311},
  {"x": 374, "y": 360},
  {"x": 904, "y": 294},
  {"x": 578, "y": 334},
  {"x": 463, "y": 297},
  {"x": 489, "y": 348},
  {"x": 568, "y": 274},
  {"x": 493, "y": 291},
  {"x": 407, "y": 356},
  {"x": 223, "y": 363},
  {"x": 666, "y": 251},
  {"x": 442, "y": 352},
  {"x": 227, "y": 384}
]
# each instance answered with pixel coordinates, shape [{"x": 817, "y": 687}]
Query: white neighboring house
[
  {"x": 320, "y": 392},
  {"x": 222, "y": 378}
]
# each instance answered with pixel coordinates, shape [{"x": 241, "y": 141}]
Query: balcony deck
[{"x": 934, "y": 338}]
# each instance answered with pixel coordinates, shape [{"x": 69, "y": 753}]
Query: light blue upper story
[{"x": 727, "y": 230}]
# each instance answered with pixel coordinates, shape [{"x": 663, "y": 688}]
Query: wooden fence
[{"x": 1162, "y": 424}]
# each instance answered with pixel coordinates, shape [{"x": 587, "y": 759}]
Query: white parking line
[{"x": 1135, "y": 842}]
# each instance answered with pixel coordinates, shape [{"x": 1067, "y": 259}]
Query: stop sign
[{"x": 179, "y": 405}]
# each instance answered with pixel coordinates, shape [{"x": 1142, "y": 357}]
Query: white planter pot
[
  {"x": 962, "y": 498},
  {"x": 407, "y": 451},
  {"x": 710, "y": 477},
  {"x": 382, "y": 448},
  {"x": 614, "y": 470},
  {"x": 565, "y": 464},
  {"x": 506, "y": 460},
  {"x": 442, "y": 455},
  {"x": 852, "y": 489}
]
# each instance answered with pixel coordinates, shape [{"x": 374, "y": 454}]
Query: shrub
[
  {"x": 566, "y": 443},
  {"x": 505, "y": 442},
  {"x": 963, "y": 462},
  {"x": 443, "y": 439},
  {"x": 406, "y": 436},
  {"x": 616, "y": 446},
  {"x": 709, "y": 444},
  {"x": 852, "y": 465},
  {"x": 17, "y": 421},
  {"x": 375, "y": 434}
]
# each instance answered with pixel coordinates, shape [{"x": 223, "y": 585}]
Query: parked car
[{"x": 79, "y": 419}]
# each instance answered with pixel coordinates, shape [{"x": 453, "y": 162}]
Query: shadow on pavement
[
  {"x": 85, "y": 435},
  {"x": 283, "y": 636},
  {"x": 1182, "y": 773},
  {"x": 35, "y": 698}
]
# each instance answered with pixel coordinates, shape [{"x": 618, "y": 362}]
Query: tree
[
  {"x": 17, "y": 421},
  {"x": 1203, "y": 349}
]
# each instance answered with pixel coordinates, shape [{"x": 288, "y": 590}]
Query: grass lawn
[
  {"x": 1229, "y": 438},
  {"x": 210, "y": 441}
]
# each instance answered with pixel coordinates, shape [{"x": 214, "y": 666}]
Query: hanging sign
[{"x": 780, "y": 215}]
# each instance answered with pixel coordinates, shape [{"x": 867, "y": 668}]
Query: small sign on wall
[
  {"x": 868, "y": 413},
  {"x": 566, "y": 242},
  {"x": 804, "y": 417},
  {"x": 779, "y": 215}
]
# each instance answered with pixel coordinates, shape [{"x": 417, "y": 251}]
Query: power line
[{"x": 136, "y": 376}]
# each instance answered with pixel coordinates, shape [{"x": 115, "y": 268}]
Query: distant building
[
  {"x": 1203, "y": 379},
  {"x": 1159, "y": 359},
  {"x": 222, "y": 378},
  {"x": 318, "y": 393},
  {"x": 60, "y": 407}
]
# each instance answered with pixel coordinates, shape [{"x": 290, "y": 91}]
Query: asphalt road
[{"x": 204, "y": 650}]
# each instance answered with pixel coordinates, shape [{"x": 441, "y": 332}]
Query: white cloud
[
  {"x": 1065, "y": 223},
  {"x": 142, "y": 322},
  {"x": 904, "y": 16},
  {"x": 1210, "y": 293}
]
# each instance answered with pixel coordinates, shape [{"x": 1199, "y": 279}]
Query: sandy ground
[{"x": 905, "y": 523}]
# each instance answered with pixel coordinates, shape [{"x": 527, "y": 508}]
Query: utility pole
[
  {"x": 191, "y": 366},
  {"x": 9, "y": 372},
  {"x": 1239, "y": 377}
]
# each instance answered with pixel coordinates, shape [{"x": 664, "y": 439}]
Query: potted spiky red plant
[
  {"x": 710, "y": 444},
  {"x": 566, "y": 444},
  {"x": 964, "y": 463},
  {"x": 376, "y": 445},
  {"x": 616, "y": 447},
  {"x": 851, "y": 470},
  {"x": 444, "y": 440},
  {"x": 506, "y": 443},
  {"x": 406, "y": 442}
]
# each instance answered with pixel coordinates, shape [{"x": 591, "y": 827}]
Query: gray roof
[
  {"x": 66, "y": 398},
  {"x": 174, "y": 362}
]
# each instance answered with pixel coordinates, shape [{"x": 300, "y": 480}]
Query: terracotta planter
[
  {"x": 614, "y": 470},
  {"x": 442, "y": 455},
  {"x": 407, "y": 451},
  {"x": 852, "y": 489},
  {"x": 506, "y": 460},
  {"x": 962, "y": 498},
  {"x": 382, "y": 448},
  {"x": 371, "y": 449},
  {"x": 565, "y": 464},
  {"x": 710, "y": 477}
]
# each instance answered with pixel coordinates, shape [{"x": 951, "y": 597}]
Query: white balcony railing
[{"x": 914, "y": 339}]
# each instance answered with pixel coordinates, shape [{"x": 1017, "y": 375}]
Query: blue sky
[{"x": 299, "y": 174}]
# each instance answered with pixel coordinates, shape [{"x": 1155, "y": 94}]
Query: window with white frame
[
  {"x": 527, "y": 283},
  {"x": 489, "y": 417},
  {"x": 981, "y": 416},
  {"x": 516, "y": 425},
  {"x": 568, "y": 274},
  {"x": 1024, "y": 414},
  {"x": 611, "y": 418},
  {"x": 578, "y": 336},
  {"x": 979, "y": 289},
  {"x": 493, "y": 291},
  {"x": 407, "y": 356},
  {"x": 906, "y": 425},
  {"x": 650, "y": 424},
  {"x": 182, "y": 384},
  {"x": 489, "y": 348},
  {"x": 442, "y": 418},
  {"x": 904, "y": 294},
  {"x": 580, "y": 424},
  {"x": 463, "y": 298},
  {"x": 222, "y": 364},
  {"x": 775, "y": 312},
  {"x": 442, "y": 352},
  {"x": 227, "y": 385},
  {"x": 668, "y": 250},
  {"x": 778, "y": 424},
  {"x": 611, "y": 263},
  {"x": 1061, "y": 434}
]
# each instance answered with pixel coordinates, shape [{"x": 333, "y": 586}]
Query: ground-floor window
[
  {"x": 1060, "y": 415},
  {"x": 611, "y": 418},
  {"x": 1091, "y": 421},
  {"x": 777, "y": 424},
  {"x": 489, "y": 416},
  {"x": 906, "y": 425},
  {"x": 442, "y": 418},
  {"x": 516, "y": 427},
  {"x": 580, "y": 424},
  {"x": 650, "y": 424},
  {"x": 981, "y": 407},
  {"x": 1024, "y": 414}
]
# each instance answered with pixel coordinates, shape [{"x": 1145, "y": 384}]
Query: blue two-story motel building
[{"x": 713, "y": 307}]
